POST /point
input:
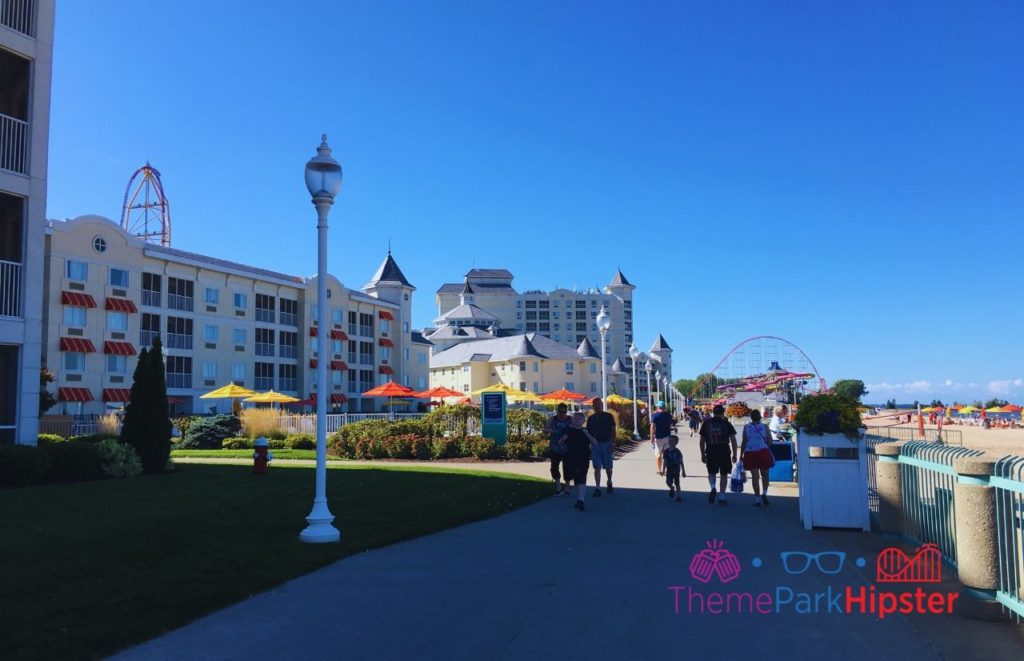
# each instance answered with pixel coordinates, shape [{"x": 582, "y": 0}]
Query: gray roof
[
  {"x": 459, "y": 333},
  {"x": 620, "y": 279},
  {"x": 618, "y": 367},
  {"x": 417, "y": 338},
  {"x": 587, "y": 350},
  {"x": 489, "y": 273},
  {"x": 223, "y": 263},
  {"x": 450, "y": 288},
  {"x": 505, "y": 348},
  {"x": 660, "y": 343},
  {"x": 389, "y": 272},
  {"x": 466, "y": 289},
  {"x": 467, "y": 311}
]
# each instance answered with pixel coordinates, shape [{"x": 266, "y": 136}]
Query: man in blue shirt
[{"x": 661, "y": 429}]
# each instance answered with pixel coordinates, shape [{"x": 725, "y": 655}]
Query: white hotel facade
[
  {"x": 26, "y": 59},
  {"x": 109, "y": 293}
]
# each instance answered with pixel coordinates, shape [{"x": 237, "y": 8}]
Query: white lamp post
[
  {"x": 323, "y": 179},
  {"x": 604, "y": 322},
  {"x": 634, "y": 355},
  {"x": 648, "y": 367}
]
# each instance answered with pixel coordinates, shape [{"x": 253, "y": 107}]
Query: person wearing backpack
[
  {"x": 716, "y": 436},
  {"x": 757, "y": 456}
]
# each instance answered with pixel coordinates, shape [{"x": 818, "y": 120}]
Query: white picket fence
[{"x": 306, "y": 424}]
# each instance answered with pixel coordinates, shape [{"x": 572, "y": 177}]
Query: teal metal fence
[
  {"x": 926, "y": 471},
  {"x": 871, "y": 441},
  {"x": 948, "y": 435},
  {"x": 1008, "y": 481}
]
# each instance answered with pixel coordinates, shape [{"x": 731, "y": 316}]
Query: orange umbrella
[
  {"x": 564, "y": 394},
  {"x": 389, "y": 389},
  {"x": 438, "y": 392}
]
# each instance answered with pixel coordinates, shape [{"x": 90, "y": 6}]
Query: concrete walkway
[{"x": 547, "y": 581}]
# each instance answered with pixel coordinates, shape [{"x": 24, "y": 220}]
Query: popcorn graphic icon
[{"x": 715, "y": 560}]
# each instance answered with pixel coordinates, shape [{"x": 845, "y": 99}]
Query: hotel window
[
  {"x": 531, "y": 326},
  {"x": 556, "y": 315},
  {"x": 209, "y": 370},
  {"x": 352, "y": 383},
  {"x": 289, "y": 312},
  {"x": 287, "y": 377},
  {"x": 77, "y": 270},
  {"x": 519, "y": 304},
  {"x": 117, "y": 364},
  {"x": 179, "y": 333},
  {"x": 265, "y": 310},
  {"x": 179, "y": 372},
  {"x": 544, "y": 315},
  {"x": 239, "y": 337},
  {"x": 263, "y": 374},
  {"x": 593, "y": 368},
  {"x": 385, "y": 326},
  {"x": 117, "y": 321},
  {"x": 531, "y": 304},
  {"x": 405, "y": 354},
  {"x": 337, "y": 316},
  {"x": 581, "y": 305},
  {"x": 385, "y": 353},
  {"x": 536, "y": 387},
  {"x": 352, "y": 355},
  {"x": 570, "y": 385},
  {"x": 522, "y": 366},
  {"x": 557, "y": 303},
  {"x": 151, "y": 290},
  {"x": 212, "y": 296},
  {"x": 568, "y": 368},
  {"x": 180, "y": 294},
  {"x": 289, "y": 343},
  {"x": 118, "y": 278},
  {"x": 544, "y": 327},
  {"x": 366, "y": 353},
  {"x": 264, "y": 342},
  {"x": 238, "y": 372},
  {"x": 211, "y": 333},
  {"x": 465, "y": 387},
  {"x": 74, "y": 361},
  {"x": 531, "y": 315},
  {"x": 421, "y": 358},
  {"x": 627, "y": 304},
  {"x": 544, "y": 305},
  {"x": 365, "y": 324},
  {"x": 581, "y": 326},
  {"x": 519, "y": 315},
  {"x": 405, "y": 326},
  {"x": 74, "y": 316},
  {"x": 558, "y": 327},
  {"x": 352, "y": 316},
  {"x": 337, "y": 346},
  {"x": 536, "y": 366},
  {"x": 421, "y": 382},
  {"x": 241, "y": 301},
  {"x": 335, "y": 377},
  {"x": 593, "y": 304},
  {"x": 149, "y": 329},
  {"x": 568, "y": 315}
]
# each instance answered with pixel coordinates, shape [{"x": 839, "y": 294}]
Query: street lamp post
[
  {"x": 604, "y": 322},
  {"x": 648, "y": 367},
  {"x": 634, "y": 355},
  {"x": 323, "y": 179}
]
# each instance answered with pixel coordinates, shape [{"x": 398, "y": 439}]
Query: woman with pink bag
[{"x": 757, "y": 456}]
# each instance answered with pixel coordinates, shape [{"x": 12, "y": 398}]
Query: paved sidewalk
[{"x": 547, "y": 581}]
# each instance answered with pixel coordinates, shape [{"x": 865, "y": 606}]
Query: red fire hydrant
[{"x": 261, "y": 457}]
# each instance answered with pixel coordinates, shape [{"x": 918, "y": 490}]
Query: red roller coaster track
[{"x": 703, "y": 380}]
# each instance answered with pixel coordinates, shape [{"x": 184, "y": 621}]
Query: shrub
[
  {"x": 90, "y": 438},
  {"x": 516, "y": 450},
  {"x": 453, "y": 417},
  {"x": 622, "y": 436},
  {"x": 828, "y": 414},
  {"x": 23, "y": 465},
  {"x": 118, "y": 459},
  {"x": 108, "y": 424},
  {"x": 236, "y": 443},
  {"x": 276, "y": 443},
  {"x": 75, "y": 460},
  {"x": 147, "y": 424},
  {"x": 276, "y": 435},
  {"x": 184, "y": 422},
  {"x": 300, "y": 442},
  {"x": 421, "y": 448},
  {"x": 342, "y": 445},
  {"x": 46, "y": 439},
  {"x": 483, "y": 448},
  {"x": 523, "y": 422},
  {"x": 258, "y": 422},
  {"x": 539, "y": 448},
  {"x": 442, "y": 448},
  {"x": 208, "y": 433},
  {"x": 176, "y": 441},
  {"x": 400, "y": 447}
]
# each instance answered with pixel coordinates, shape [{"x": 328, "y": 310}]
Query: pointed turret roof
[
  {"x": 618, "y": 367},
  {"x": 660, "y": 344},
  {"x": 466, "y": 289},
  {"x": 586, "y": 350},
  {"x": 525, "y": 348},
  {"x": 389, "y": 272},
  {"x": 620, "y": 279}
]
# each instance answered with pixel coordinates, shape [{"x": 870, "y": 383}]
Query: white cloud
[
  {"x": 1005, "y": 386},
  {"x": 909, "y": 388}
]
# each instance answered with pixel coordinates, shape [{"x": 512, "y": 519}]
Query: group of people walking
[{"x": 577, "y": 441}]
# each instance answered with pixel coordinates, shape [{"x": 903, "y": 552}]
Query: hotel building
[
  {"x": 110, "y": 293},
  {"x": 26, "y": 57}
]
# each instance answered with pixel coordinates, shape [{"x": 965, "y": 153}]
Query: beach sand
[{"x": 997, "y": 441}]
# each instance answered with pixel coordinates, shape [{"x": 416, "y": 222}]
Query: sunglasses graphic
[{"x": 827, "y": 562}]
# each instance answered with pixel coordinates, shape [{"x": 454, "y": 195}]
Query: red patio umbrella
[
  {"x": 564, "y": 394},
  {"x": 390, "y": 390},
  {"x": 438, "y": 392}
]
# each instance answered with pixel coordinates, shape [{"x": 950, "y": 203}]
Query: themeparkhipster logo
[{"x": 717, "y": 565}]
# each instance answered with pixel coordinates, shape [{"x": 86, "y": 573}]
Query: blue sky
[{"x": 844, "y": 175}]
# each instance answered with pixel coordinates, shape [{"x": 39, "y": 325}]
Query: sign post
[{"x": 492, "y": 413}]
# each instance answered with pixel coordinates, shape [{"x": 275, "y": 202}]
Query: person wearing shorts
[
  {"x": 661, "y": 429},
  {"x": 716, "y": 437},
  {"x": 555, "y": 429},
  {"x": 757, "y": 456},
  {"x": 693, "y": 417},
  {"x": 601, "y": 425}
]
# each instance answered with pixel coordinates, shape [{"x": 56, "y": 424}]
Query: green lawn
[
  {"x": 247, "y": 454},
  {"x": 93, "y": 567}
]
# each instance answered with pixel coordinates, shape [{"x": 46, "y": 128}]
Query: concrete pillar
[
  {"x": 977, "y": 552},
  {"x": 890, "y": 488}
]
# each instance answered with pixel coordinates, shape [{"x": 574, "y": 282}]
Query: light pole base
[
  {"x": 320, "y": 530},
  {"x": 636, "y": 436}
]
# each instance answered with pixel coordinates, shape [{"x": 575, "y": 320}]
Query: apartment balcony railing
[
  {"x": 151, "y": 298},
  {"x": 178, "y": 302},
  {"x": 179, "y": 380},
  {"x": 289, "y": 319},
  {"x": 19, "y": 15},
  {"x": 13, "y": 144},
  {"x": 264, "y": 383},
  {"x": 146, "y": 338},
  {"x": 288, "y": 351},
  {"x": 179, "y": 341},
  {"x": 10, "y": 289}
]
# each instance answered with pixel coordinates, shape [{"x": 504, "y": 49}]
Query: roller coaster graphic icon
[{"x": 895, "y": 566}]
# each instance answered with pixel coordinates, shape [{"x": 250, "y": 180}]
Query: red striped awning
[
  {"x": 338, "y": 335},
  {"x": 118, "y": 348},
  {"x": 338, "y": 399},
  {"x": 78, "y": 299},
  {"x": 384, "y": 314},
  {"x": 312, "y": 331},
  {"x": 79, "y": 344},
  {"x": 120, "y": 305},
  {"x": 312, "y": 363},
  {"x": 74, "y": 395},
  {"x": 338, "y": 365},
  {"x": 117, "y": 394},
  {"x": 385, "y": 342},
  {"x": 384, "y": 369}
]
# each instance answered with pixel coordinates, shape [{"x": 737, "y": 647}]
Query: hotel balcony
[
  {"x": 19, "y": 15},
  {"x": 10, "y": 289},
  {"x": 15, "y": 75}
]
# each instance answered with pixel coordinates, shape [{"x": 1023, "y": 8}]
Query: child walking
[{"x": 672, "y": 460}]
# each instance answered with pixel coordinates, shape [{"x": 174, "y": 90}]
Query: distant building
[
  {"x": 26, "y": 62},
  {"x": 109, "y": 293}
]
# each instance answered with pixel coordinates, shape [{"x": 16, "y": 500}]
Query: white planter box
[{"x": 833, "y": 483}]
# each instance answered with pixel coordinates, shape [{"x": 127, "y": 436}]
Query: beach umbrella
[
  {"x": 564, "y": 395},
  {"x": 1012, "y": 408},
  {"x": 520, "y": 396},
  {"x": 993, "y": 409},
  {"x": 389, "y": 390},
  {"x": 968, "y": 409},
  {"x": 616, "y": 398},
  {"x": 496, "y": 387},
  {"x": 230, "y": 391},
  {"x": 271, "y": 397},
  {"x": 438, "y": 392}
]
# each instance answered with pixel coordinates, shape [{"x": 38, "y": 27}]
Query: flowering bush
[
  {"x": 119, "y": 459},
  {"x": 737, "y": 410},
  {"x": 828, "y": 413}
]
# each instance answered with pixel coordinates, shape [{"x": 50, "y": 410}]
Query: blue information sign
[{"x": 492, "y": 414}]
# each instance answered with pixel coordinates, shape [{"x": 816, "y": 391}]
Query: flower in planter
[{"x": 828, "y": 413}]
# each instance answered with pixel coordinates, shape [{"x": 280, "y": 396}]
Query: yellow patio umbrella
[
  {"x": 929, "y": 409},
  {"x": 230, "y": 391},
  {"x": 272, "y": 397},
  {"x": 522, "y": 396},
  {"x": 994, "y": 409},
  {"x": 968, "y": 409},
  {"x": 497, "y": 387},
  {"x": 616, "y": 398}
]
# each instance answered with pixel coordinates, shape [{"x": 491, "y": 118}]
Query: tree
[
  {"x": 46, "y": 399},
  {"x": 936, "y": 402},
  {"x": 995, "y": 402},
  {"x": 147, "y": 420},
  {"x": 852, "y": 388},
  {"x": 890, "y": 404}
]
